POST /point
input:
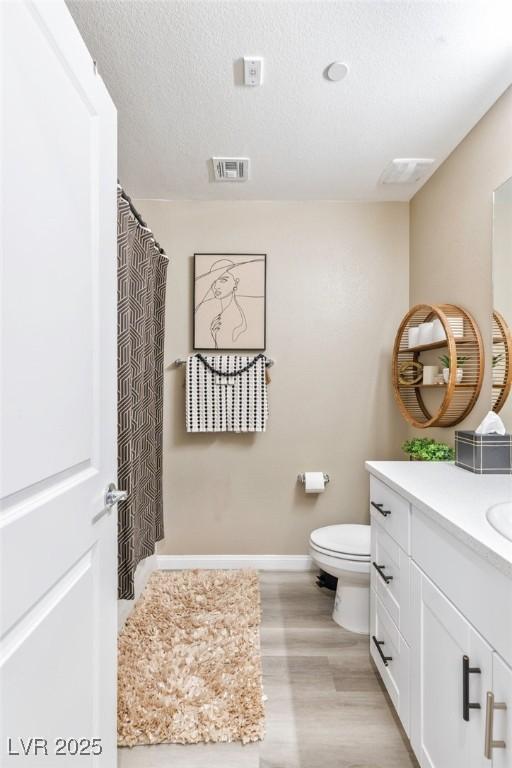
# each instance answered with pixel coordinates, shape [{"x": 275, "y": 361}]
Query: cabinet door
[
  {"x": 442, "y": 733},
  {"x": 500, "y": 718}
]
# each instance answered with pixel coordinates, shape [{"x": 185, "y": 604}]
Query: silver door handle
[
  {"x": 112, "y": 495},
  {"x": 490, "y": 744}
]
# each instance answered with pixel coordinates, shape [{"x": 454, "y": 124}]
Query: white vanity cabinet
[
  {"x": 451, "y": 670},
  {"x": 441, "y": 629}
]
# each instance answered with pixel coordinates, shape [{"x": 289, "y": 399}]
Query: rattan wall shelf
[
  {"x": 501, "y": 369},
  {"x": 453, "y": 401}
]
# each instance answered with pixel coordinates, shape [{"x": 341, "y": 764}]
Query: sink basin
[{"x": 500, "y": 517}]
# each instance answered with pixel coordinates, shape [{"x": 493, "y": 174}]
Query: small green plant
[
  {"x": 426, "y": 449},
  {"x": 461, "y": 359},
  {"x": 496, "y": 359}
]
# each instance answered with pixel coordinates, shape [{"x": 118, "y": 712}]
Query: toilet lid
[{"x": 346, "y": 539}]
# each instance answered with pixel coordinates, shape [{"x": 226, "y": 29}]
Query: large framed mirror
[{"x": 502, "y": 302}]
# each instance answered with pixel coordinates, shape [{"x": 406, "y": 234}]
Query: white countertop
[{"x": 456, "y": 499}]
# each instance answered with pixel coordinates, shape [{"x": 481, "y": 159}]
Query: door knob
[{"x": 113, "y": 495}]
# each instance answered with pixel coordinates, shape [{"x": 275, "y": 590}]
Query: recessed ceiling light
[{"x": 336, "y": 71}]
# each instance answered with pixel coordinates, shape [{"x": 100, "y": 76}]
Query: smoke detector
[
  {"x": 336, "y": 71},
  {"x": 230, "y": 168},
  {"x": 406, "y": 170}
]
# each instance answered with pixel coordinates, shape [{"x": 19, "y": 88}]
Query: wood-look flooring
[{"x": 325, "y": 705}]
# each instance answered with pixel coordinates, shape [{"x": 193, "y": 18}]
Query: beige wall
[
  {"x": 337, "y": 288},
  {"x": 451, "y": 232},
  {"x": 338, "y": 285}
]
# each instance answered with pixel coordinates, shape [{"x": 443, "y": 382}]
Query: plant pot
[{"x": 446, "y": 375}]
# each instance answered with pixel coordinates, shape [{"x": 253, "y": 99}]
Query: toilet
[{"x": 343, "y": 551}]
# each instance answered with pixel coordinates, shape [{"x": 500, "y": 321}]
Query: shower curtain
[{"x": 141, "y": 305}]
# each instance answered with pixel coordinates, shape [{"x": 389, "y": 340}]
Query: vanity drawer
[
  {"x": 390, "y": 653},
  {"x": 390, "y": 577},
  {"x": 391, "y": 511}
]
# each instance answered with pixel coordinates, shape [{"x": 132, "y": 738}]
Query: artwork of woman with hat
[{"x": 229, "y": 301}]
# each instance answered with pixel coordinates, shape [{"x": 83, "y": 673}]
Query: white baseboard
[{"x": 260, "y": 562}]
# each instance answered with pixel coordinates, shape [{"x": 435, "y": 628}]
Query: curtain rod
[{"x": 139, "y": 217}]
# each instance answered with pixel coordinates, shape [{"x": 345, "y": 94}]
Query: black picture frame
[{"x": 240, "y": 261}]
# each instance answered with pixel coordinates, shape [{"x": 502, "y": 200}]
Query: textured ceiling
[{"x": 421, "y": 75}]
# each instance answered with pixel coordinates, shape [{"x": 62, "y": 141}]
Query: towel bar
[{"x": 180, "y": 361}]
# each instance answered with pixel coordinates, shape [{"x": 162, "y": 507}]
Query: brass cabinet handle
[{"x": 490, "y": 743}]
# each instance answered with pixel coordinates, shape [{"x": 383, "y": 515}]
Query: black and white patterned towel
[{"x": 226, "y": 393}]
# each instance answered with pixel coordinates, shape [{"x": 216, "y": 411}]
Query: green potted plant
[
  {"x": 461, "y": 360},
  {"x": 426, "y": 449}
]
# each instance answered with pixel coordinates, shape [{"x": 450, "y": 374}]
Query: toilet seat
[
  {"x": 342, "y": 542},
  {"x": 339, "y": 555},
  {"x": 336, "y": 565}
]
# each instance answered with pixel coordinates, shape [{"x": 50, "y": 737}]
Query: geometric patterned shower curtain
[{"x": 141, "y": 307}]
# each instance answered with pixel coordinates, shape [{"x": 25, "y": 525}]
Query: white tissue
[
  {"x": 491, "y": 425},
  {"x": 314, "y": 482}
]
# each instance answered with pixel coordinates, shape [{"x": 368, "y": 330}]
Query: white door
[
  {"x": 499, "y": 716},
  {"x": 58, "y": 357},
  {"x": 447, "y": 695}
]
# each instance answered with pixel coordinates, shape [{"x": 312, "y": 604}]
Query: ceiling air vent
[
  {"x": 230, "y": 168},
  {"x": 406, "y": 170}
]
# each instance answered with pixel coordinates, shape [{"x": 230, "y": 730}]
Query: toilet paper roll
[
  {"x": 413, "y": 336},
  {"x": 425, "y": 333},
  {"x": 314, "y": 482},
  {"x": 438, "y": 331}
]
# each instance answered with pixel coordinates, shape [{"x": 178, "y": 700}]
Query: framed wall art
[{"x": 230, "y": 301}]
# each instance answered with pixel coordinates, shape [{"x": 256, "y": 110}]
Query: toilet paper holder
[{"x": 301, "y": 478}]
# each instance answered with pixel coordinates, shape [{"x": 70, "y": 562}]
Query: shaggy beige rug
[{"x": 190, "y": 662}]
